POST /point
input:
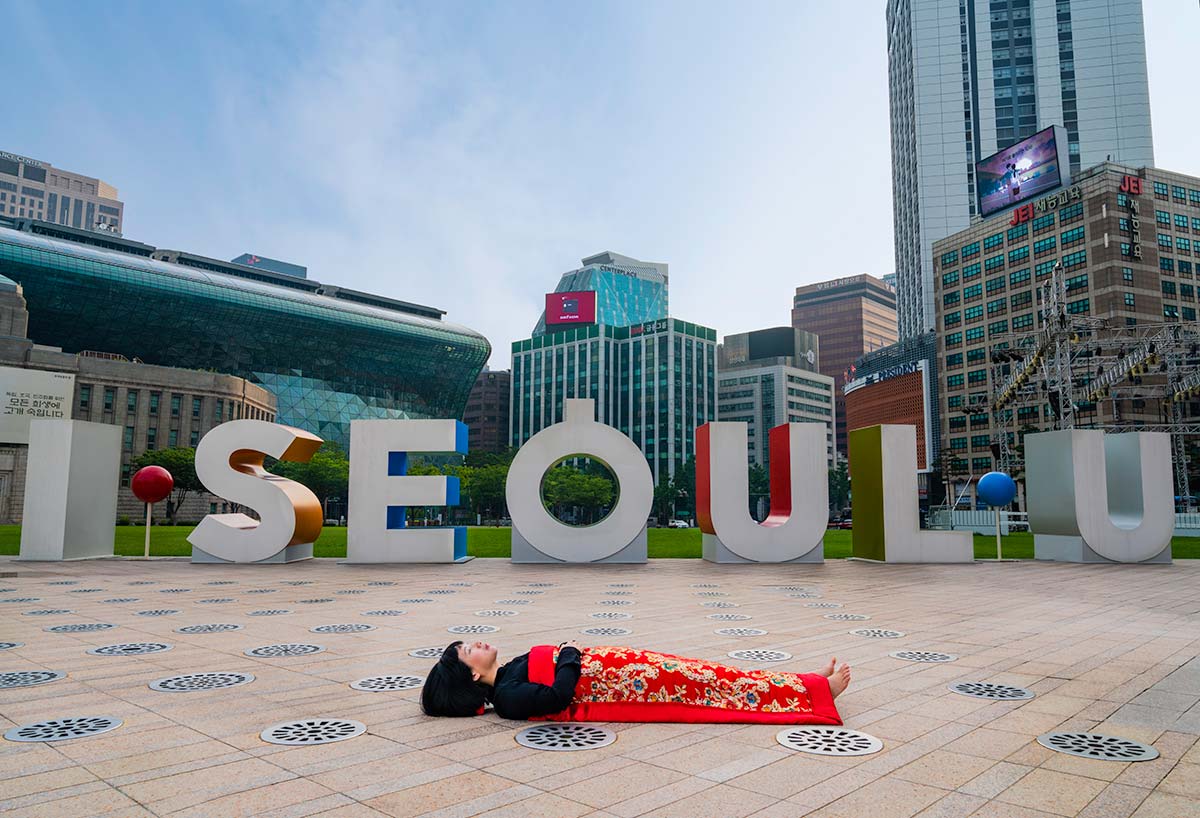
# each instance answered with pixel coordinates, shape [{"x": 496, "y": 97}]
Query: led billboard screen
[
  {"x": 1022, "y": 171},
  {"x": 571, "y": 308}
]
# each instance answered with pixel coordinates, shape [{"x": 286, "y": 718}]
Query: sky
[{"x": 466, "y": 154}]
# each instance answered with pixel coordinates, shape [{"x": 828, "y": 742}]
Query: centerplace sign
[{"x": 1072, "y": 478}]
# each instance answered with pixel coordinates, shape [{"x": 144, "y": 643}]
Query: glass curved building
[{"x": 328, "y": 354}]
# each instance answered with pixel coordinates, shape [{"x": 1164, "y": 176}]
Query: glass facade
[
  {"x": 628, "y": 291},
  {"x": 327, "y": 360}
]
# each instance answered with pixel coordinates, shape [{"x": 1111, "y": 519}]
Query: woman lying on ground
[{"x": 568, "y": 683}]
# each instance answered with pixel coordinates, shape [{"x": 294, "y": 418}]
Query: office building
[
  {"x": 770, "y": 377},
  {"x": 327, "y": 354},
  {"x": 851, "y": 316},
  {"x": 626, "y": 292},
  {"x": 158, "y": 407},
  {"x": 486, "y": 414},
  {"x": 30, "y": 189},
  {"x": 1128, "y": 240},
  {"x": 899, "y": 385},
  {"x": 967, "y": 79}
]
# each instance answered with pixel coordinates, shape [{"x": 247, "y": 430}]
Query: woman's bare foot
[
  {"x": 839, "y": 681},
  {"x": 827, "y": 671}
]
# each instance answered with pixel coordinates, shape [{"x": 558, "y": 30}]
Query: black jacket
[{"x": 515, "y": 697}]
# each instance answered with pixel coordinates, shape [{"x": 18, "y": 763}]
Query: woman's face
[{"x": 479, "y": 656}]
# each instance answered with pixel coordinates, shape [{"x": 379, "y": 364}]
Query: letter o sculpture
[{"x": 579, "y": 434}]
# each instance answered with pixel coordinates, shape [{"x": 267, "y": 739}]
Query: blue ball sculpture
[{"x": 996, "y": 489}]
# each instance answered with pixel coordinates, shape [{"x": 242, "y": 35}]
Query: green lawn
[{"x": 171, "y": 541}]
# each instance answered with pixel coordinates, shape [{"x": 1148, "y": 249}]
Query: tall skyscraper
[
  {"x": 968, "y": 78},
  {"x": 627, "y": 291},
  {"x": 851, "y": 316}
]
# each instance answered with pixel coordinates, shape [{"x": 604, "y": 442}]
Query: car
[
  {"x": 841, "y": 524},
  {"x": 678, "y": 524}
]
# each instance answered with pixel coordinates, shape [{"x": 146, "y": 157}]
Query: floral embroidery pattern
[{"x": 616, "y": 674}]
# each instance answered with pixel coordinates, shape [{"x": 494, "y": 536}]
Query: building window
[
  {"x": 196, "y": 406},
  {"x": 126, "y": 468},
  {"x": 996, "y": 306},
  {"x": 997, "y": 262},
  {"x": 950, "y": 258},
  {"x": 955, "y": 359},
  {"x": 981, "y": 464},
  {"x": 958, "y": 424},
  {"x": 1168, "y": 288},
  {"x": 1129, "y": 300},
  {"x": 154, "y": 398},
  {"x": 1189, "y": 313},
  {"x": 950, "y": 279},
  {"x": 976, "y": 356},
  {"x": 194, "y": 438},
  {"x": 1043, "y": 223},
  {"x": 972, "y": 313},
  {"x": 1160, "y": 190},
  {"x": 1021, "y": 322},
  {"x": 1043, "y": 246},
  {"x": 970, "y": 250},
  {"x": 971, "y": 271},
  {"x": 980, "y": 441},
  {"x": 1127, "y": 274},
  {"x": 1020, "y": 300},
  {"x": 954, "y": 380},
  {"x": 993, "y": 241},
  {"x": 1167, "y": 265},
  {"x": 995, "y": 285},
  {"x": 1076, "y": 259},
  {"x": 1170, "y": 312},
  {"x": 1164, "y": 241},
  {"x": 1162, "y": 217},
  {"x": 954, "y": 401},
  {"x": 129, "y": 438},
  {"x": 975, "y": 291},
  {"x": 952, "y": 319},
  {"x": 1018, "y": 276},
  {"x": 1070, "y": 214},
  {"x": 85, "y": 397},
  {"x": 1079, "y": 307},
  {"x": 1018, "y": 232},
  {"x": 1020, "y": 254},
  {"x": 176, "y": 401},
  {"x": 1077, "y": 282},
  {"x": 950, "y": 298},
  {"x": 1181, "y": 222},
  {"x": 110, "y": 398},
  {"x": 172, "y": 438},
  {"x": 151, "y": 438},
  {"x": 953, "y": 339},
  {"x": 958, "y": 444},
  {"x": 998, "y": 328},
  {"x": 131, "y": 401},
  {"x": 974, "y": 334},
  {"x": 218, "y": 416}
]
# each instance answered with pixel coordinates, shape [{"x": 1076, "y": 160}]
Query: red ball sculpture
[{"x": 151, "y": 484}]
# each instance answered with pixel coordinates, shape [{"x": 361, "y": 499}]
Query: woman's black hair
[{"x": 449, "y": 689}]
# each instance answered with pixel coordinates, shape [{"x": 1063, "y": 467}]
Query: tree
[
  {"x": 487, "y": 490},
  {"x": 839, "y": 486},
  {"x": 566, "y": 489},
  {"x": 326, "y": 474},
  {"x": 665, "y": 495},
  {"x": 760, "y": 487},
  {"x": 685, "y": 481},
  {"x": 181, "y": 463},
  {"x": 481, "y": 459}
]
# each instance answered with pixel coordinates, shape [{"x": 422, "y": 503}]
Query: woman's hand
[{"x": 569, "y": 644}]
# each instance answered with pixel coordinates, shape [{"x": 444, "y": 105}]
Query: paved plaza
[{"x": 1107, "y": 649}]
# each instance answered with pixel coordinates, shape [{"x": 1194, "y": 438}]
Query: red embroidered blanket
[{"x": 624, "y": 684}]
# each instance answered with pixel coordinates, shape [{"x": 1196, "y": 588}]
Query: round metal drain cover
[
  {"x": 289, "y": 649},
  {"x": 822, "y": 605},
  {"x": 759, "y": 655},
  {"x": 379, "y": 684},
  {"x": 876, "y": 633},
  {"x": 297, "y": 582},
  {"x": 222, "y": 582},
  {"x": 19, "y": 600},
  {"x": 384, "y": 612},
  {"x": 121, "y": 600},
  {"x": 63, "y": 729},
  {"x": 312, "y": 731},
  {"x": 175, "y": 591},
  {"x": 730, "y": 617},
  {"x": 606, "y": 631},
  {"x": 263, "y": 591},
  {"x": 415, "y": 601},
  {"x": 381, "y": 583},
  {"x": 611, "y": 615},
  {"x": 355, "y": 627},
  {"x": 11, "y": 645},
  {"x": 441, "y": 591},
  {"x": 192, "y": 682},
  {"x": 622, "y": 585},
  {"x": 615, "y": 602},
  {"x": 28, "y": 678},
  {"x": 135, "y": 582},
  {"x": 711, "y": 593},
  {"x": 47, "y": 612},
  {"x": 1095, "y": 745},
  {"x": 828, "y": 741},
  {"x": 496, "y": 613},
  {"x": 514, "y": 602},
  {"x": 130, "y": 649},
  {"x": 161, "y": 612},
  {"x": 740, "y": 632},
  {"x": 988, "y": 690},
  {"x": 85, "y": 591},
  {"x": 719, "y": 605},
  {"x": 805, "y": 588},
  {"x": 706, "y": 585},
  {"x": 68, "y": 582},
  {"x": 313, "y": 601},
  {"x": 528, "y": 593},
  {"x": 618, "y": 593},
  {"x": 461, "y": 584},
  {"x": 427, "y": 653},
  {"x": 269, "y": 612},
  {"x": 220, "y": 601},
  {"x": 539, "y": 584},
  {"x": 847, "y": 617},
  {"x": 472, "y": 629},
  {"x": 561, "y": 737},
  {"x": 216, "y": 628},
  {"x": 805, "y": 595},
  {"x": 351, "y": 591},
  {"x": 922, "y": 656},
  {"x": 81, "y": 627}
]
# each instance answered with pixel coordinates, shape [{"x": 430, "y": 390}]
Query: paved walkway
[{"x": 1106, "y": 648}]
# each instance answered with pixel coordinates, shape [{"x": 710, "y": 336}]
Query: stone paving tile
[{"x": 1046, "y": 627}]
